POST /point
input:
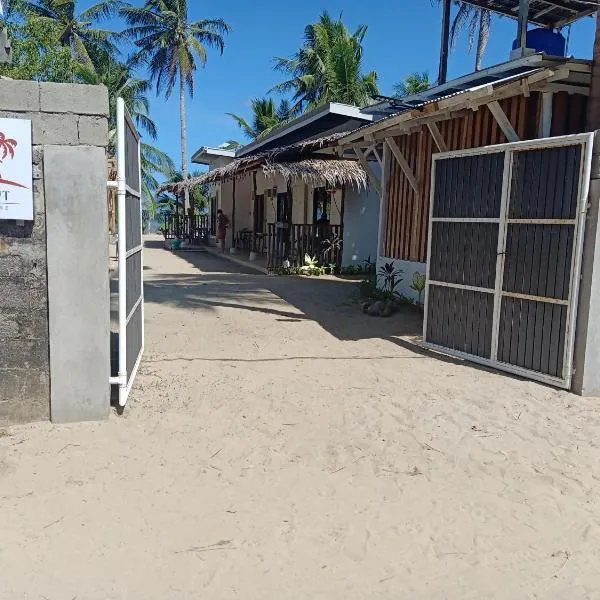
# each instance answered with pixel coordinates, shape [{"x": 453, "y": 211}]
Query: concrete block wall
[{"x": 64, "y": 115}]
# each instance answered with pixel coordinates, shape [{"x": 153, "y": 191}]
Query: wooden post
[
  {"x": 522, "y": 25},
  {"x": 254, "y": 207},
  {"x": 545, "y": 128},
  {"x": 593, "y": 109},
  {"x": 340, "y": 257},
  {"x": 383, "y": 200},
  {"x": 233, "y": 217},
  {"x": 445, "y": 42},
  {"x": 306, "y": 203}
]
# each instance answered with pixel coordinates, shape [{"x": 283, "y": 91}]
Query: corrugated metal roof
[{"x": 547, "y": 13}]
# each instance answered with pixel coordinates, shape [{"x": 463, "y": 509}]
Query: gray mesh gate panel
[
  {"x": 131, "y": 288},
  {"x": 505, "y": 244}
]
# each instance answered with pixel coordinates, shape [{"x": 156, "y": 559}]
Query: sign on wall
[{"x": 16, "y": 171}]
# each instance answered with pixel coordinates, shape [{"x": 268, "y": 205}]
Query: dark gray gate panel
[
  {"x": 469, "y": 186},
  {"x": 134, "y": 338},
  {"x": 131, "y": 293},
  {"x": 460, "y": 319},
  {"x": 501, "y": 286},
  {"x": 464, "y": 253},
  {"x": 538, "y": 260},
  {"x": 532, "y": 335},
  {"x": 545, "y": 183},
  {"x": 133, "y": 222}
]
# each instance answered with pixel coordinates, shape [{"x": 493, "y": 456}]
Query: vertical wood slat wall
[{"x": 407, "y": 215}]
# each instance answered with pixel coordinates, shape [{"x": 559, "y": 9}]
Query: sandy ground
[{"x": 278, "y": 444}]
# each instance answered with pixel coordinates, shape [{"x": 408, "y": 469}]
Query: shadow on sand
[{"x": 220, "y": 283}]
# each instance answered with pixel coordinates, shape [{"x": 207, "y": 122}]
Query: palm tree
[
  {"x": 478, "y": 22},
  {"x": 123, "y": 83},
  {"x": 171, "y": 46},
  {"x": 265, "y": 116},
  {"x": 75, "y": 31},
  {"x": 231, "y": 145},
  {"x": 328, "y": 67},
  {"x": 413, "y": 84}
]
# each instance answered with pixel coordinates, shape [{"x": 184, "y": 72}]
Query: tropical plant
[
  {"x": 121, "y": 82},
  {"x": 311, "y": 266},
  {"x": 478, "y": 22},
  {"x": 38, "y": 55},
  {"x": 418, "y": 284},
  {"x": 330, "y": 247},
  {"x": 328, "y": 67},
  {"x": 390, "y": 276},
  {"x": 198, "y": 198},
  {"x": 265, "y": 116},
  {"x": 413, "y": 84},
  {"x": 76, "y": 30},
  {"x": 9, "y": 9},
  {"x": 231, "y": 145},
  {"x": 172, "y": 46}
]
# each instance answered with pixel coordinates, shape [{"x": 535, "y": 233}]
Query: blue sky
[{"x": 400, "y": 40}]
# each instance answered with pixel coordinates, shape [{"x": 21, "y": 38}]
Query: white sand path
[{"x": 279, "y": 445}]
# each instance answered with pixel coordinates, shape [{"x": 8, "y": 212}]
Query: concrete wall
[
  {"x": 361, "y": 225},
  {"x": 408, "y": 269},
  {"x": 586, "y": 360},
  {"x": 76, "y": 228},
  {"x": 71, "y": 117}
]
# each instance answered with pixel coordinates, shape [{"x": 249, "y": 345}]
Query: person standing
[{"x": 222, "y": 225}]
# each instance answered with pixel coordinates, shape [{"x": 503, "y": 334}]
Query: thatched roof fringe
[
  {"x": 331, "y": 172},
  {"x": 334, "y": 173},
  {"x": 295, "y": 163}
]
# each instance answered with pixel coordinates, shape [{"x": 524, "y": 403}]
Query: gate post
[{"x": 586, "y": 363}]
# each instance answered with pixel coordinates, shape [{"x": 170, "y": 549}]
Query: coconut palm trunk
[
  {"x": 593, "y": 117},
  {"x": 184, "y": 149}
]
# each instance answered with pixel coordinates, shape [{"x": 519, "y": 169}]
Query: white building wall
[
  {"x": 361, "y": 224},
  {"x": 409, "y": 270}
]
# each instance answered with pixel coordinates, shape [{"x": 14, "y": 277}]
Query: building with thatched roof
[{"x": 288, "y": 193}]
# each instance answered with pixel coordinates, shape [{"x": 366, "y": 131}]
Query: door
[
  {"x": 130, "y": 248},
  {"x": 283, "y": 227},
  {"x": 259, "y": 213},
  {"x": 505, "y": 244}
]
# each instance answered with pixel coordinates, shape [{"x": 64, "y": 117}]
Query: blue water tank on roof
[{"x": 546, "y": 41}]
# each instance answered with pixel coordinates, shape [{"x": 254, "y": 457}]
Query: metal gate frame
[
  {"x": 125, "y": 379},
  {"x": 586, "y": 141}
]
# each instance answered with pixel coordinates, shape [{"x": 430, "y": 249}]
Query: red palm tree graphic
[
  {"x": 7, "y": 146},
  {"x": 7, "y": 149}
]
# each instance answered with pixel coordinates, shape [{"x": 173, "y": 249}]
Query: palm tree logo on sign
[{"x": 7, "y": 150}]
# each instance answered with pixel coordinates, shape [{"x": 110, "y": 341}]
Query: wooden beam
[
  {"x": 502, "y": 119},
  {"x": 403, "y": 163},
  {"x": 367, "y": 167},
  {"x": 436, "y": 134},
  {"x": 383, "y": 203},
  {"x": 570, "y": 89},
  {"x": 545, "y": 128},
  {"x": 377, "y": 156}
]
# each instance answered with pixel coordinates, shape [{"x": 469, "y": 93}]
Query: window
[{"x": 321, "y": 205}]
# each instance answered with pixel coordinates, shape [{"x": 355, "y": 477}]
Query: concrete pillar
[
  {"x": 586, "y": 377},
  {"x": 78, "y": 282}
]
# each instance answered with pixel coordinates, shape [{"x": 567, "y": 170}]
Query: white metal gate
[
  {"x": 130, "y": 251},
  {"x": 505, "y": 246}
]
